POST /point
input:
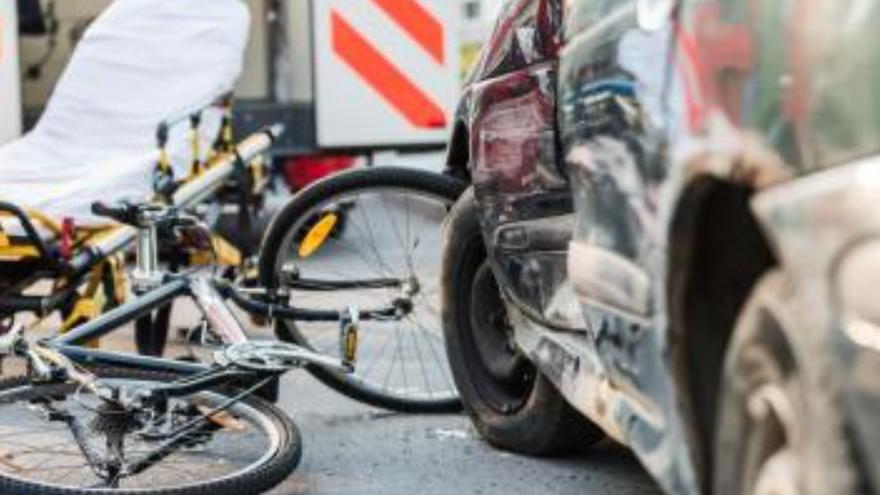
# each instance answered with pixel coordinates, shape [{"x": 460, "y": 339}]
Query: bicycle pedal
[{"x": 348, "y": 338}]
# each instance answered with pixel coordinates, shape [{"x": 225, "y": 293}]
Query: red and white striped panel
[{"x": 386, "y": 71}]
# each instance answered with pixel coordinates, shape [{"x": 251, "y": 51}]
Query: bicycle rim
[
  {"x": 380, "y": 233},
  {"x": 44, "y": 454}
]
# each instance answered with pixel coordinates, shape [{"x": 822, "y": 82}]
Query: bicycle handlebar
[{"x": 123, "y": 213}]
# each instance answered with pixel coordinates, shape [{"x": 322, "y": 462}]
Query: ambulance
[{"x": 345, "y": 77}]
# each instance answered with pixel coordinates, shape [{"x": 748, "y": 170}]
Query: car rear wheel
[
  {"x": 779, "y": 430},
  {"x": 511, "y": 404}
]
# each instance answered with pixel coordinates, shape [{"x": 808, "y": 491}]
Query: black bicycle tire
[
  {"x": 300, "y": 204},
  {"x": 259, "y": 480},
  {"x": 151, "y": 331}
]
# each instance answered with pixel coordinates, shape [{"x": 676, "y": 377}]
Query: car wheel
[
  {"x": 779, "y": 430},
  {"x": 511, "y": 404}
]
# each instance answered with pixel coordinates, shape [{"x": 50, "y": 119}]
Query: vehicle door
[{"x": 614, "y": 76}]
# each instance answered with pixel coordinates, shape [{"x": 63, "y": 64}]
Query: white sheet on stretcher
[{"x": 140, "y": 63}]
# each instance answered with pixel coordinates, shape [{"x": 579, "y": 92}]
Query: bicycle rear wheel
[
  {"x": 251, "y": 450},
  {"x": 379, "y": 223}
]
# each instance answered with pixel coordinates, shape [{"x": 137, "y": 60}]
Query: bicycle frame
[
  {"x": 206, "y": 297},
  {"x": 202, "y": 290}
]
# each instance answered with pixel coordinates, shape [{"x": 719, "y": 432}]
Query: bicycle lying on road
[{"x": 87, "y": 421}]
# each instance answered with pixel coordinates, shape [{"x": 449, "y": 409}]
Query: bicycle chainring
[{"x": 262, "y": 356}]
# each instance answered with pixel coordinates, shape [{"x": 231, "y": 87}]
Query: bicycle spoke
[
  {"x": 376, "y": 358},
  {"x": 394, "y": 359},
  {"x": 372, "y": 242},
  {"x": 409, "y": 261},
  {"x": 422, "y": 363},
  {"x": 381, "y": 269},
  {"x": 403, "y": 359},
  {"x": 434, "y": 353},
  {"x": 384, "y": 232},
  {"x": 408, "y": 221},
  {"x": 67, "y": 473}
]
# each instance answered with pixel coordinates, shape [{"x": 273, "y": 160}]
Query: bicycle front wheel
[
  {"x": 59, "y": 439},
  {"x": 380, "y": 226}
]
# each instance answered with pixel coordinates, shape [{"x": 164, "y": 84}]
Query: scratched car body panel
[
  {"x": 510, "y": 107},
  {"x": 609, "y": 142}
]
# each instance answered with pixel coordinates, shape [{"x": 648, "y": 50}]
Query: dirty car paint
[{"x": 586, "y": 125}]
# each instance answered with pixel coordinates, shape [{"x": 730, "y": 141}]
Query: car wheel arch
[
  {"x": 458, "y": 155},
  {"x": 717, "y": 252}
]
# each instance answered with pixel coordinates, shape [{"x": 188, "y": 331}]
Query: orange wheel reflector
[{"x": 318, "y": 235}]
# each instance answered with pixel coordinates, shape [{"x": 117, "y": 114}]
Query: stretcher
[{"x": 142, "y": 111}]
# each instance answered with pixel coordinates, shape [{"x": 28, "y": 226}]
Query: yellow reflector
[{"x": 318, "y": 235}]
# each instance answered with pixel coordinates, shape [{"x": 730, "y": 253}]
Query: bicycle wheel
[
  {"x": 252, "y": 449},
  {"x": 370, "y": 224}
]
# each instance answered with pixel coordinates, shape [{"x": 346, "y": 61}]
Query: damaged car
[{"x": 670, "y": 238}]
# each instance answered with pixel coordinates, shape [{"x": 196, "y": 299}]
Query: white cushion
[{"x": 140, "y": 63}]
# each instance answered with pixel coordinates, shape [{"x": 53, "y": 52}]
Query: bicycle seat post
[{"x": 147, "y": 275}]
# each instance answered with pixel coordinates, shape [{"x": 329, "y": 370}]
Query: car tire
[
  {"x": 511, "y": 404},
  {"x": 780, "y": 428}
]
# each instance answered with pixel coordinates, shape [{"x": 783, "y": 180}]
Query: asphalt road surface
[{"x": 353, "y": 449}]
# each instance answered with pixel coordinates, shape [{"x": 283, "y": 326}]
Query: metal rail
[{"x": 190, "y": 194}]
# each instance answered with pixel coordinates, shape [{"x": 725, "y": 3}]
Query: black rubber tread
[
  {"x": 258, "y": 481},
  {"x": 545, "y": 424},
  {"x": 151, "y": 331},
  {"x": 319, "y": 192}
]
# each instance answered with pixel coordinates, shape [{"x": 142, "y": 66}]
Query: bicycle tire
[
  {"x": 259, "y": 480},
  {"x": 151, "y": 331},
  {"x": 339, "y": 185}
]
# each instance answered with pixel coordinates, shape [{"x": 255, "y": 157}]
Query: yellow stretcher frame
[{"x": 103, "y": 286}]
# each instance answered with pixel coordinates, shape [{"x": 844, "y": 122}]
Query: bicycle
[
  {"x": 367, "y": 236},
  {"x": 88, "y": 421}
]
